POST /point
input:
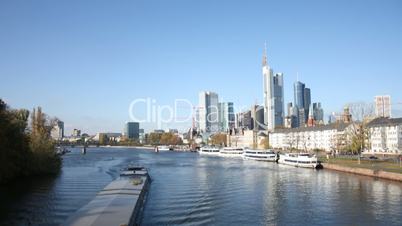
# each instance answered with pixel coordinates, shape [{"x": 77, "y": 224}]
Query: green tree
[
  {"x": 42, "y": 145},
  {"x": 23, "y": 152}
]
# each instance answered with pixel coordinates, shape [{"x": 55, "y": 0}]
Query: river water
[{"x": 188, "y": 189}]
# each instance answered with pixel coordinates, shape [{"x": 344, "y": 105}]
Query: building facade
[
  {"x": 318, "y": 113},
  {"x": 76, "y": 133},
  {"x": 57, "y": 132},
  {"x": 383, "y": 106},
  {"x": 245, "y": 121},
  {"x": 385, "y": 135},
  {"x": 208, "y": 116},
  {"x": 257, "y": 115},
  {"x": 329, "y": 137},
  {"x": 132, "y": 130},
  {"x": 273, "y": 96},
  {"x": 226, "y": 116}
]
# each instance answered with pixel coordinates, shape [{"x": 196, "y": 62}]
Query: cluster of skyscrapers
[
  {"x": 212, "y": 115},
  {"x": 300, "y": 113}
]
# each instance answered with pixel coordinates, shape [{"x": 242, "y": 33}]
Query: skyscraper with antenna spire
[{"x": 273, "y": 95}]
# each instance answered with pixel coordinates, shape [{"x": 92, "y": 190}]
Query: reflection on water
[{"x": 191, "y": 189}]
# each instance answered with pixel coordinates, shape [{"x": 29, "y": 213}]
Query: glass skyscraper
[
  {"x": 226, "y": 116},
  {"x": 132, "y": 130},
  {"x": 273, "y": 96}
]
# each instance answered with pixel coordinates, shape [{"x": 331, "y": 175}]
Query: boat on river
[
  {"x": 231, "y": 152},
  {"x": 164, "y": 148},
  {"x": 260, "y": 155},
  {"x": 209, "y": 151},
  {"x": 305, "y": 160}
]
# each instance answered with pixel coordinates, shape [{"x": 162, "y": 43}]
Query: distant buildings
[
  {"x": 226, "y": 116},
  {"x": 76, "y": 133},
  {"x": 208, "y": 118},
  {"x": 383, "y": 106},
  {"x": 318, "y": 113},
  {"x": 273, "y": 96},
  {"x": 105, "y": 138},
  {"x": 385, "y": 135},
  {"x": 57, "y": 132},
  {"x": 174, "y": 131},
  {"x": 142, "y": 136},
  {"x": 302, "y": 101},
  {"x": 257, "y": 116},
  {"x": 245, "y": 120},
  {"x": 132, "y": 130},
  {"x": 291, "y": 120}
]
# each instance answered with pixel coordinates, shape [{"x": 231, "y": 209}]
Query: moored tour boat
[
  {"x": 209, "y": 151},
  {"x": 164, "y": 148},
  {"x": 231, "y": 152},
  {"x": 260, "y": 155},
  {"x": 299, "y": 160}
]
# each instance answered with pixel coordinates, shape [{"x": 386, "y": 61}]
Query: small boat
[
  {"x": 260, "y": 155},
  {"x": 304, "y": 160},
  {"x": 164, "y": 148},
  {"x": 209, "y": 151},
  {"x": 231, "y": 152}
]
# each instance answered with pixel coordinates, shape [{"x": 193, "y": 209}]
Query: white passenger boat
[
  {"x": 231, "y": 152},
  {"x": 164, "y": 148},
  {"x": 260, "y": 155},
  {"x": 299, "y": 160},
  {"x": 209, "y": 151}
]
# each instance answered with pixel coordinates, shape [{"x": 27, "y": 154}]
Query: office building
[
  {"x": 226, "y": 116},
  {"x": 257, "y": 116},
  {"x": 245, "y": 121},
  {"x": 208, "y": 116},
  {"x": 57, "y": 132},
  {"x": 132, "y": 130},
  {"x": 76, "y": 133},
  {"x": 273, "y": 96},
  {"x": 383, "y": 106},
  {"x": 318, "y": 113},
  {"x": 302, "y": 100}
]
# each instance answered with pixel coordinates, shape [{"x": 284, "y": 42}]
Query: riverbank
[{"x": 372, "y": 172}]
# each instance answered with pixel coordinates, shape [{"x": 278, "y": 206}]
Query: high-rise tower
[{"x": 273, "y": 95}]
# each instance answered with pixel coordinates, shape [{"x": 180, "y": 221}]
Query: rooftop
[
  {"x": 332, "y": 126},
  {"x": 385, "y": 122}
]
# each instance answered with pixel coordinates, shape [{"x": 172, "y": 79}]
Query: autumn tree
[
  {"x": 219, "y": 139},
  {"x": 362, "y": 113},
  {"x": 25, "y": 152}
]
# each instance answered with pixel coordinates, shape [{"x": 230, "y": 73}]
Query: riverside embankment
[{"x": 377, "y": 173}]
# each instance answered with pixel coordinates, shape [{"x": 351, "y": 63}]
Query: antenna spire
[{"x": 264, "y": 58}]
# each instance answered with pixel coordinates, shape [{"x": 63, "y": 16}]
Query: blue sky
[{"x": 85, "y": 61}]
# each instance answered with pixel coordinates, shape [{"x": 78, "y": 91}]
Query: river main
[{"x": 191, "y": 189}]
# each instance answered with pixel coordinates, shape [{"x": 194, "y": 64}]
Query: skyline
[{"x": 85, "y": 62}]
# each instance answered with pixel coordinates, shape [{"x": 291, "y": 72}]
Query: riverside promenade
[{"x": 377, "y": 173}]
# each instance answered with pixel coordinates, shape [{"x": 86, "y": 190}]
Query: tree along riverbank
[{"x": 26, "y": 150}]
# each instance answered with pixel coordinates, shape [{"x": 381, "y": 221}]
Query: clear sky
[{"x": 85, "y": 61}]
